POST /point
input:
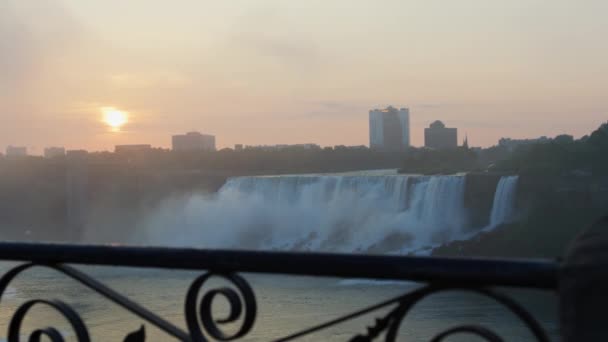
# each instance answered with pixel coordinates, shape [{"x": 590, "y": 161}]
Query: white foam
[
  {"x": 374, "y": 214},
  {"x": 503, "y": 208}
]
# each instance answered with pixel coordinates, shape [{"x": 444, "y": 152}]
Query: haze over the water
[{"x": 269, "y": 72}]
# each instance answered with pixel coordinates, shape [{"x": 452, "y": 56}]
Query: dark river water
[{"x": 286, "y": 304}]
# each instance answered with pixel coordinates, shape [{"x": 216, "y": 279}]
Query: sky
[{"x": 270, "y": 72}]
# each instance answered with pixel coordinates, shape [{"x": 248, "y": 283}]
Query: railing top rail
[{"x": 530, "y": 273}]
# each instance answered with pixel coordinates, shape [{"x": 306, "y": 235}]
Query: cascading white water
[
  {"x": 503, "y": 209},
  {"x": 373, "y": 214}
]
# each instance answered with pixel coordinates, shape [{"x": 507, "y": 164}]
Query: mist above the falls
[{"x": 396, "y": 214}]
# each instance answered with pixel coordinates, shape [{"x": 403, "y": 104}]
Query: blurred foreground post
[{"x": 583, "y": 286}]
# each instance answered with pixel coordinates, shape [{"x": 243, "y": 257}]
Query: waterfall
[
  {"x": 337, "y": 213},
  {"x": 503, "y": 208}
]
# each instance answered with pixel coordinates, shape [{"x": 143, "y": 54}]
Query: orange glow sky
[{"x": 266, "y": 72}]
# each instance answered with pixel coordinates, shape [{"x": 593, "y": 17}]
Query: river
[{"x": 286, "y": 304}]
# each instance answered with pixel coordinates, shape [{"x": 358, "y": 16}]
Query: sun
[{"x": 114, "y": 118}]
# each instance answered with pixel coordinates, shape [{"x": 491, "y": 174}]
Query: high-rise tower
[{"x": 389, "y": 128}]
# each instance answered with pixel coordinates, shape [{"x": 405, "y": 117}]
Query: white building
[
  {"x": 53, "y": 152},
  {"x": 512, "y": 144},
  {"x": 281, "y": 147},
  {"x": 389, "y": 128},
  {"x": 193, "y": 141},
  {"x": 132, "y": 148},
  {"x": 16, "y": 151}
]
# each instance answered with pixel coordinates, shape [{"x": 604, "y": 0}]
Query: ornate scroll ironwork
[
  {"x": 203, "y": 326},
  {"x": 245, "y": 302},
  {"x": 389, "y": 324},
  {"x": 241, "y": 303},
  {"x": 392, "y": 321}
]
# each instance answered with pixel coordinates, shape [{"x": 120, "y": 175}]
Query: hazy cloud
[
  {"x": 34, "y": 36},
  {"x": 17, "y": 49},
  {"x": 268, "y": 33},
  {"x": 256, "y": 72}
]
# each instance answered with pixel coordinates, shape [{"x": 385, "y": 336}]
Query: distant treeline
[
  {"x": 283, "y": 161},
  {"x": 32, "y": 198},
  {"x": 563, "y": 189},
  {"x": 562, "y": 156},
  {"x": 554, "y": 157},
  {"x": 244, "y": 162}
]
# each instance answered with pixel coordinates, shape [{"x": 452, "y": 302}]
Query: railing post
[{"x": 583, "y": 286}]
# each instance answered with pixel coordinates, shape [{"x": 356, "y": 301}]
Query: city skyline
[
  {"x": 277, "y": 72},
  {"x": 195, "y": 140},
  {"x": 53, "y": 151}
]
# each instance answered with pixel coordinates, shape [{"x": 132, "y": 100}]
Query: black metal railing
[{"x": 440, "y": 274}]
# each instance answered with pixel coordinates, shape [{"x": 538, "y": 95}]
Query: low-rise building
[
  {"x": 76, "y": 153},
  {"x": 512, "y": 144},
  {"x": 135, "y": 148},
  {"x": 16, "y": 151},
  {"x": 193, "y": 141},
  {"x": 440, "y": 137},
  {"x": 54, "y": 152},
  {"x": 280, "y": 147}
]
